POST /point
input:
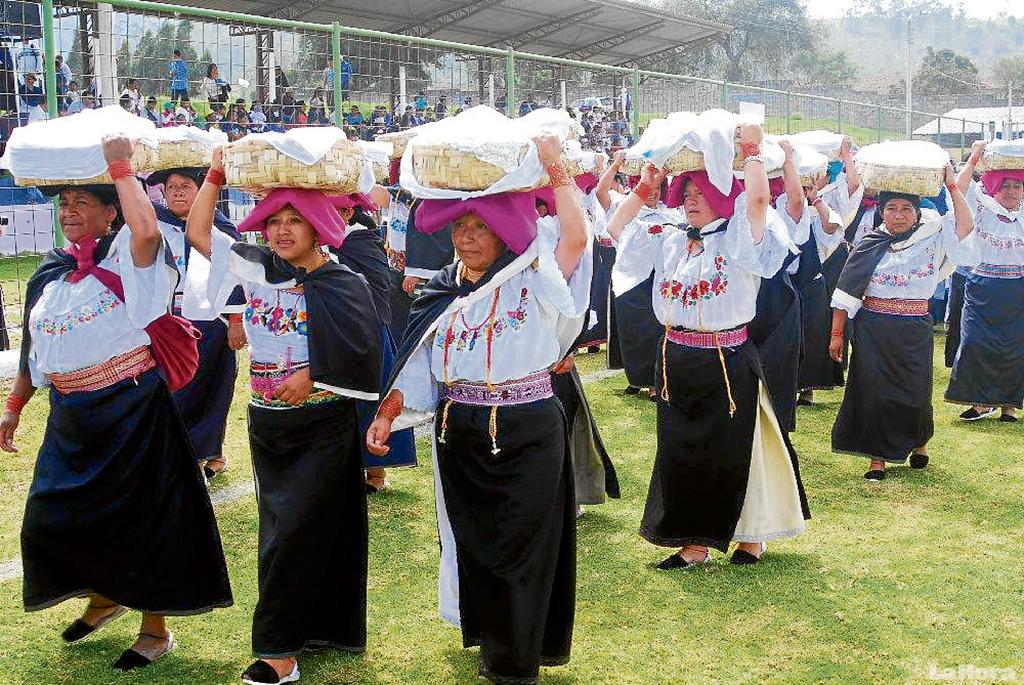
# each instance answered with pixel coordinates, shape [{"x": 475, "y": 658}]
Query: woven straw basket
[
  {"x": 812, "y": 179},
  {"x": 995, "y": 161},
  {"x": 380, "y": 173},
  {"x": 399, "y": 140},
  {"x": 169, "y": 154},
  {"x": 256, "y": 166},
  {"x": 911, "y": 180},
  {"x": 441, "y": 166}
]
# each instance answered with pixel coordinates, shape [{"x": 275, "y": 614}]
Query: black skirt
[
  {"x": 702, "y": 467},
  {"x": 511, "y": 514},
  {"x": 776, "y": 331},
  {"x": 401, "y": 301},
  {"x": 817, "y": 370},
  {"x": 638, "y": 334},
  {"x": 954, "y": 311},
  {"x": 117, "y": 506},
  {"x": 989, "y": 368},
  {"x": 600, "y": 291},
  {"x": 593, "y": 472},
  {"x": 205, "y": 402},
  {"x": 313, "y": 529},
  {"x": 887, "y": 408}
]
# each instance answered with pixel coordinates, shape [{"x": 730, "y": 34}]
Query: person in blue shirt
[
  {"x": 178, "y": 71},
  {"x": 355, "y": 117},
  {"x": 421, "y": 101},
  {"x": 346, "y": 77}
]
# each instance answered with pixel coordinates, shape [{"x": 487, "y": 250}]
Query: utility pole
[
  {"x": 1009, "y": 112},
  {"x": 910, "y": 82}
]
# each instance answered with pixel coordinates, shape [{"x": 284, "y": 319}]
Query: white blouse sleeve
[
  {"x": 827, "y": 242},
  {"x": 147, "y": 291},
  {"x": 973, "y": 191},
  {"x": 800, "y": 229},
  {"x": 765, "y": 258},
  {"x": 555, "y": 295},
  {"x": 637, "y": 252},
  {"x": 207, "y": 289},
  {"x": 420, "y": 391},
  {"x": 961, "y": 252},
  {"x": 838, "y": 196}
]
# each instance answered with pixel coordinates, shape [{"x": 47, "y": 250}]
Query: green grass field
[{"x": 890, "y": 580}]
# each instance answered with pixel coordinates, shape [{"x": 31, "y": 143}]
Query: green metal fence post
[
  {"x": 336, "y": 68},
  {"x": 635, "y": 121},
  {"x": 878, "y": 124},
  {"x": 839, "y": 115},
  {"x": 49, "y": 50},
  {"x": 789, "y": 111},
  {"x": 725, "y": 95},
  {"x": 510, "y": 81}
]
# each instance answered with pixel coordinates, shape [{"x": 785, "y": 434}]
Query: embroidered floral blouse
[
  {"x": 913, "y": 270},
  {"x": 714, "y": 289},
  {"x": 536, "y": 314},
  {"x": 647, "y": 219},
  {"x": 76, "y": 325},
  {"x": 275, "y": 320},
  {"x": 1000, "y": 234}
]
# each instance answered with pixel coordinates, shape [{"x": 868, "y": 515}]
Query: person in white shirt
[
  {"x": 481, "y": 341},
  {"x": 29, "y": 60},
  {"x": 723, "y": 471},
  {"x": 134, "y": 96},
  {"x": 883, "y": 291}
]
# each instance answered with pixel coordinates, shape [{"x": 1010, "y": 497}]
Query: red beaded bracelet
[
  {"x": 643, "y": 191},
  {"x": 120, "y": 168},
  {"x": 15, "y": 403},
  {"x": 558, "y": 176},
  {"x": 750, "y": 150},
  {"x": 215, "y": 176},
  {"x": 234, "y": 318},
  {"x": 391, "y": 407}
]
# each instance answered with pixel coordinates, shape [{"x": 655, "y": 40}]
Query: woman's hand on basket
[
  {"x": 549, "y": 149},
  {"x": 653, "y": 176},
  {"x": 296, "y": 389},
  {"x": 377, "y": 436},
  {"x": 117, "y": 148},
  {"x": 8, "y": 425},
  {"x": 218, "y": 158},
  {"x": 977, "y": 151}
]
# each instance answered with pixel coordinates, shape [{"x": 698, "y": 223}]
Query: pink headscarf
[
  {"x": 722, "y": 205},
  {"x": 512, "y": 216},
  {"x": 320, "y": 210},
  {"x": 993, "y": 180},
  {"x": 776, "y": 187},
  {"x": 587, "y": 182}
]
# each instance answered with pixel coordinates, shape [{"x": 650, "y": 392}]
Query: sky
[{"x": 975, "y": 8}]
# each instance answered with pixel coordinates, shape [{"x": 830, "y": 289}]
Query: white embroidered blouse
[
  {"x": 714, "y": 289},
  {"x": 913, "y": 269},
  {"x": 1000, "y": 232},
  {"x": 77, "y": 325},
  {"x": 536, "y": 314}
]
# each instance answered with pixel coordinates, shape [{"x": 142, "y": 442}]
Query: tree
[
  {"x": 827, "y": 67},
  {"x": 945, "y": 72},
  {"x": 1009, "y": 71},
  {"x": 765, "y": 34}
]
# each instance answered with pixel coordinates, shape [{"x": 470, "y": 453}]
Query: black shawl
[
  {"x": 427, "y": 252},
  {"x": 344, "y": 328},
  {"x": 363, "y": 252}
]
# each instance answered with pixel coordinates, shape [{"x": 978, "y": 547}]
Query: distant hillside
[{"x": 877, "y": 44}]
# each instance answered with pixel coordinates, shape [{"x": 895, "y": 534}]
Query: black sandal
[
  {"x": 79, "y": 628},
  {"x": 130, "y": 659},
  {"x": 918, "y": 461}
]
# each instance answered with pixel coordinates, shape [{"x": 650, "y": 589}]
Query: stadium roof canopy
[{"x": 606, "y": 31}]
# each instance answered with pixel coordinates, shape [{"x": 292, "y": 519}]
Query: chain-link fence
[{"x": 244, "y": 73}]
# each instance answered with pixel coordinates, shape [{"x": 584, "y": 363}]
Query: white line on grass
[{"x": 11, "y": 569}]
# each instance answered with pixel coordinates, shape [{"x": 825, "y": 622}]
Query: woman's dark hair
[
  {"x": 209, "y": 70},
  {"x": 360, "y": 216},
  {"x": 106, "y": 194}
]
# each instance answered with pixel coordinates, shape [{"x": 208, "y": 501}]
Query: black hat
[{"x": 196, "y": 174}]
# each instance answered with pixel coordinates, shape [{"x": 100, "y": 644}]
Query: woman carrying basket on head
[
  {"x": 480, "y": 343},
  {"x": 883, "y": 291},
  {"x": 314, "y": 337},
  {"x": 724, "y": 471},
  {"x": 988, "y": 369},
  {"x": 117, "y": 511}
]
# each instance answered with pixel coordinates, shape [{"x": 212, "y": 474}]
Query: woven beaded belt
[
  {"x": 536, "y": 386},
  {"x": 265, "y": 379},
  {"x": 131, "y": 364},
  {"x": 999, "y": 270},
  {"x": 896, "y": 306},
  {"x": 708, "y": 340}
]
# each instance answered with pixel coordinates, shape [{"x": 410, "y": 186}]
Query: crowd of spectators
[{"x": 236, "y": 117}]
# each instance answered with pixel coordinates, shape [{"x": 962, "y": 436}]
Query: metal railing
[{"x": 281, "y": 63}]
